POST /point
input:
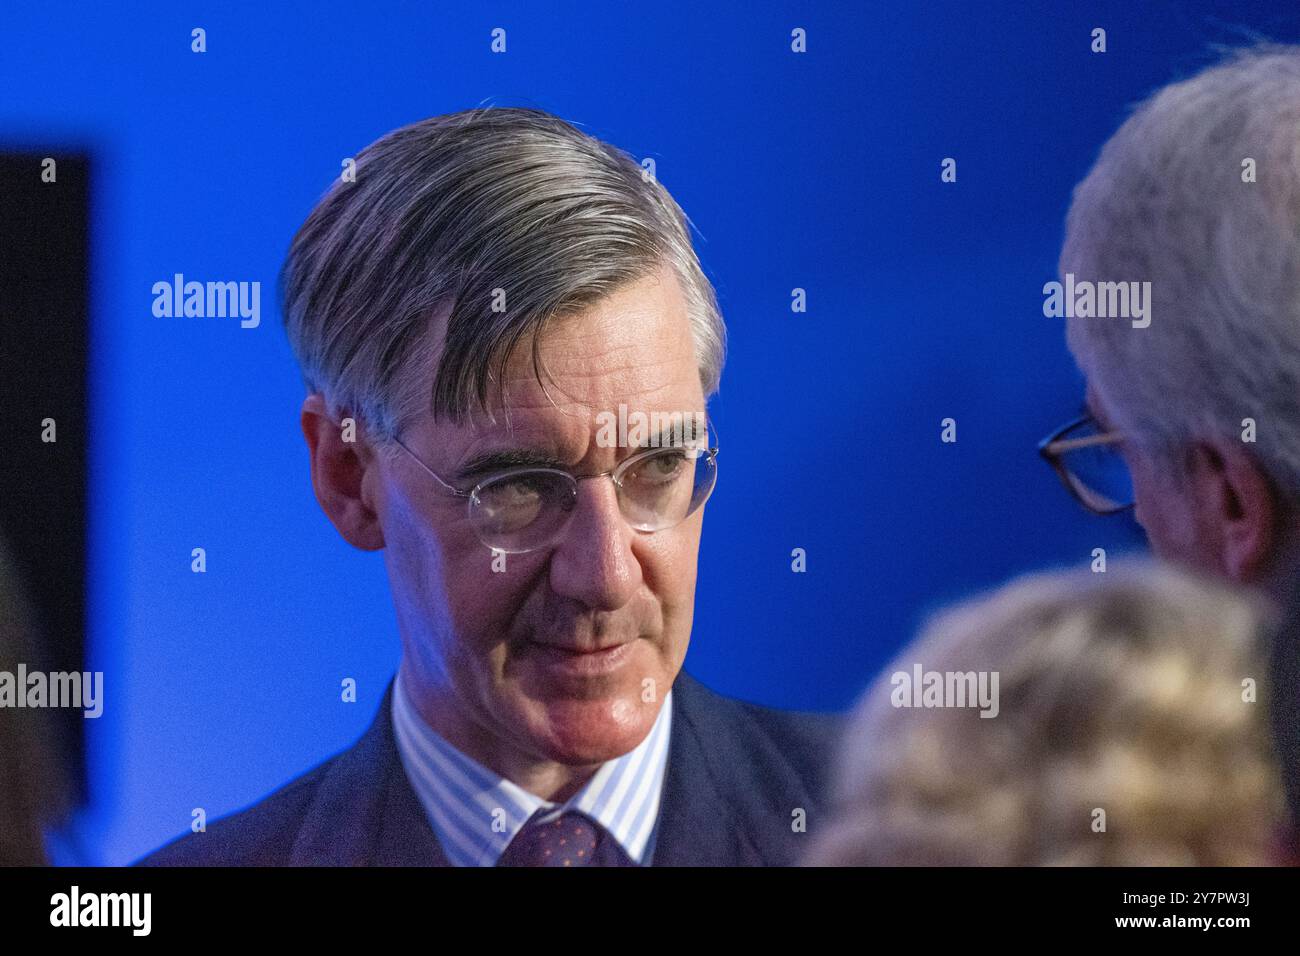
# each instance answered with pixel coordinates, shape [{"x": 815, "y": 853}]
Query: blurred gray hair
[
  {"x": 443, "y": 213},
  {"x": 1121, "y": 691},
  {"x": 1165, "y": 202}
]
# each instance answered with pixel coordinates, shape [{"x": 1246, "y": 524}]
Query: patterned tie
[{"x": 571, "y": 839}]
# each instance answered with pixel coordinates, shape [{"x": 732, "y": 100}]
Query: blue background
[{"x": 819, "y": 171}]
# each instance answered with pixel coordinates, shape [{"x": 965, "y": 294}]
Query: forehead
[
  {"x": 633, "y": 344},
  {"x": 633, "y": 347}
]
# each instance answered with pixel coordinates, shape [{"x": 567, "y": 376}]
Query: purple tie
[{"x": 571, "y": 839}]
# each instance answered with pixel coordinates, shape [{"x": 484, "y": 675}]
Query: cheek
[
  {"x": 1162, "y": 511},
  {"x": 1152, "y": 501},
  {"x": 410, "y": 552},
  {"x": 443, "y": 574},
  {"x": 669, "y": 566},
  {"x": 486, "y": 591},
  {"x": 670, "y": 558}
]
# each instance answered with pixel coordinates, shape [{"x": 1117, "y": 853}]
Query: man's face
[
  {"x": 1176, "y": 527},
  {"x": 567, "y": 653}
]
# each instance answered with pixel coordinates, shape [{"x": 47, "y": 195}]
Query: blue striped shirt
[{"x": 475, "y": 813}]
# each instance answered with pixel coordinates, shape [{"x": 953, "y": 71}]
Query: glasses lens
[
  {"x": 1097, "y": 471},
  {"x": 522, "y": 510},
  {"x": 667, "y": 486}
]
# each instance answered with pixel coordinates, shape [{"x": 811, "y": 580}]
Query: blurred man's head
[
  {"x": 1130, "y": 728},
  {"x": 34, "y": 772},
  {"x": 492, "y": 287},
  {"x": 1198, "y": 193}
]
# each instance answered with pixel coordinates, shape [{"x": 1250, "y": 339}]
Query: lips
[
  {"x": 582, "y": 662},
  {"x": 579, "y": 649}
]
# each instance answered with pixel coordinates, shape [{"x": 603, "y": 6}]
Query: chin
[
  {"x": 592, "y": 730},
  {"x": 586, "y": 710}
]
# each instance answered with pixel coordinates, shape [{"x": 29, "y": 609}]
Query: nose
[{"x": 593, "y": 562}]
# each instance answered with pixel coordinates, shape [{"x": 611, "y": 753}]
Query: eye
[
  {"x": 522, "y": 486},
  {"x": 663, "y": 468},
  {"x": 512, "y": 503},
  {"x": 525, "y": 490}
]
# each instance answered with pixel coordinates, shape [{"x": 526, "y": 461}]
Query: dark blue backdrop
[{"x": 818, "y": 171}]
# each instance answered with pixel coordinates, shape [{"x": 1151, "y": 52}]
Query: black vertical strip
[{"x": 44, "y": 336}]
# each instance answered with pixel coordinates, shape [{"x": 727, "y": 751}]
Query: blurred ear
[
  {"x": 338, "y": 474},
  {"x": 1240, "y": 509}
]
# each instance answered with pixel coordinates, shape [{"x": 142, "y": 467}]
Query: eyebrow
[
  {"x": 488, "y": 462},
  {"x": 688, "y": 432},
  {"x": 485, "y": 464}
]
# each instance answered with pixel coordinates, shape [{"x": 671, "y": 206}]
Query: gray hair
[
  {"x": 447, "y": 215},
  {"x": 1166, "y": 202}
]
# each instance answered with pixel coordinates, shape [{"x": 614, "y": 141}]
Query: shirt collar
[{"x": 475, "y": 812}]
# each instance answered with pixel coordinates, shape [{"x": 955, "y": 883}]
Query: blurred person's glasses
[
  {"x": 1087, "y": 460},
  {"x": 526, "y": 508}
]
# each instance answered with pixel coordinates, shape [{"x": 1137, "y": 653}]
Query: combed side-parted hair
[{"x": 498, "y": 219}]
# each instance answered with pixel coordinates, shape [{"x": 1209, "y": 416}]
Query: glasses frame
[
  {"x": 615, "y": 474},
  {"x": 1053, "y": 448}
]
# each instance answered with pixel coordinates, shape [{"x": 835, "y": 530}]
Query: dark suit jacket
[{"x": 736, "y": 773}]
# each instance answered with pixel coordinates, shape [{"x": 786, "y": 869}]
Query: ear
[
  {"x": 338, "y": 474},
  {"x": 1243, "y": 509}
]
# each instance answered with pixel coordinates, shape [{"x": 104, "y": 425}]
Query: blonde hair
[{"x": 1122, "y": 698}]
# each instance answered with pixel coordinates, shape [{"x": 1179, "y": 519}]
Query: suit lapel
[
  {"x": 365, "y": 812},
  {"x": 406, "y": 837},
  {"x": 698, "y": 825}
]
